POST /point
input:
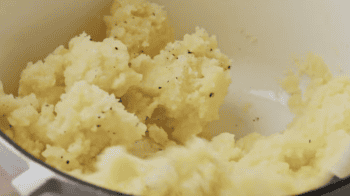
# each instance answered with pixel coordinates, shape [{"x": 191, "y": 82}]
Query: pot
[{"x": 258, "y": 35}]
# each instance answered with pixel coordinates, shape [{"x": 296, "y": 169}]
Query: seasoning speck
[
  {"x": 211, "y": 95},
  {"x": 98, "y": 125},
  {"x": 116, "y": 48},
  {"x": 67, "y": 162},
  {"x": 160, "y": 87}
]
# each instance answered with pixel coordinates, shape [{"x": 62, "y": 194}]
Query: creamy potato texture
[{"x": 124, "y": 114}]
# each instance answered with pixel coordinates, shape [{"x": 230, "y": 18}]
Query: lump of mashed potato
[
  {"x": 142, "y": 26},
  {"x": 124, "y": 114},
  {"x": 92, "y": 95}
]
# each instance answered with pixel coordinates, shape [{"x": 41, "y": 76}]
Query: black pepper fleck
[
  {"x": 146, "y": 117},
  {"x": 168, "y": 80},
  {"x": 47, "y": 105},
  {"x": 116, "y": 48},
  {"x": 99, "y": 117},
  {"x": 176, "y": 78},
  {"x": 61, "y": 157},
  {"x": 189, "y": 52},
  {"x": 129, "y": 64},
  {"x": 67, "y": 162},
  {"x": 211, "y": 49},
  {"x": 309, "y": 141},
  {"x": 110, "y": 108},
  {"x": 120, "y": 100},
  {"x": 90, "y": 39},
  {"x": 125, "y": 22},
  {"x": 229, "y": 67},
  {"x": 98, "y": 125},
  {"x": 160, "y": 87},
  {"x": 10, "y": 126},
  {"x": 211, "y": 95},
  {"x": 115, "y": 37}
]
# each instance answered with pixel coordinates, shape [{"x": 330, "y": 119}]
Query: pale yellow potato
[
  {"x": 182, "y": 87},
  {"x": 127, "y": 120},
  {"x": 294, "y": 161},
  {"x": 92, "y": 95},
  {"x": 142, "y": 26}
]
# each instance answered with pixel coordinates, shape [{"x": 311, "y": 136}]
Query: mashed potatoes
[{"x": 124, "y": 114}]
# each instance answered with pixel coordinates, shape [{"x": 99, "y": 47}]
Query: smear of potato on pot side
[{"x": 124, "y": 114}]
